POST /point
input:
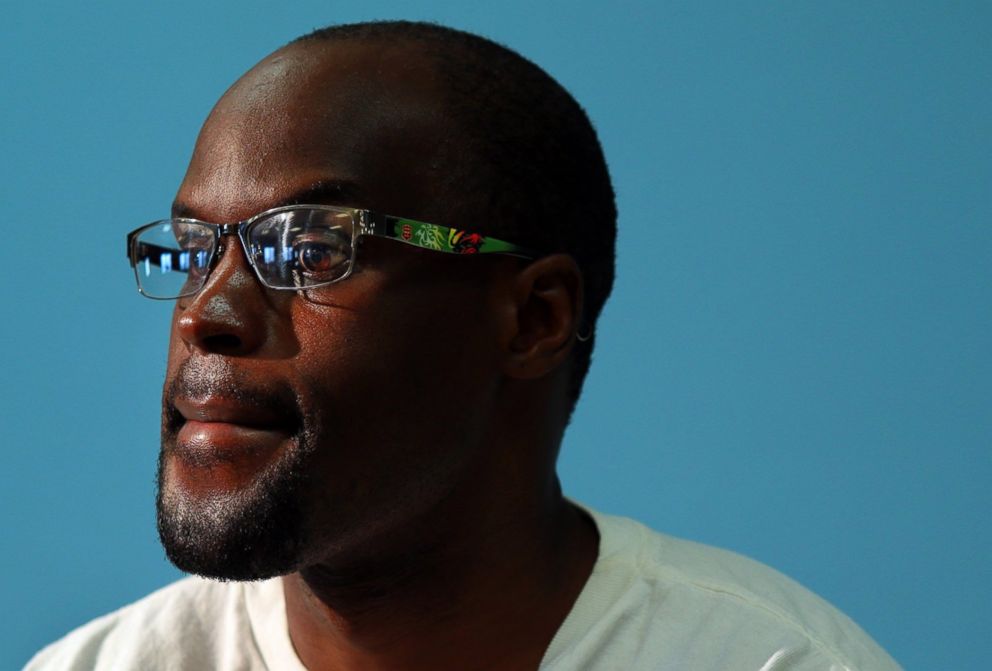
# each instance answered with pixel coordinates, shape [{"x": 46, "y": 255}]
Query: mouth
[
  {"x": 226, "y": 434},
  {"x": 223, "y": 410}
]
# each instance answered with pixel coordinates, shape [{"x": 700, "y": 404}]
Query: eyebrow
[{"x": 320, "y": 192}]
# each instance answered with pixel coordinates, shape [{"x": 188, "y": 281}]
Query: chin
[{"x": 251, "y": 532}]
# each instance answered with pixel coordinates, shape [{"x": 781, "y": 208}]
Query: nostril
[{"x": 221, "y": 343}]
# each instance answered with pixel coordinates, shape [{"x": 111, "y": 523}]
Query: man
[{"x": 372, "y": 364}]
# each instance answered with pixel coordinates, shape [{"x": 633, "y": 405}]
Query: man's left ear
[{"x": 541, "y": 320}]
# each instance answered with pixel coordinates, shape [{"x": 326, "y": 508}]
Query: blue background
[{"x": 796, "y": 361}]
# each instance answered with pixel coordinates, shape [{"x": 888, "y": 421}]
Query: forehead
[{"x": 366, "y": 114}]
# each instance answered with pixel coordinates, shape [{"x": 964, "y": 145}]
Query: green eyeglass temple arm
[{"x": 439, "y": 238}]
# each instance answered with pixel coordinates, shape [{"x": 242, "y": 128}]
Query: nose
[{"x": 229, "y": 314}]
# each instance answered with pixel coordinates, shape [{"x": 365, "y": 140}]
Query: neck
[{"x": 476, "y": 585}]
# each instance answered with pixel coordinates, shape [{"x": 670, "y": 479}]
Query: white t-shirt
[{"x": 652, "y": 603}]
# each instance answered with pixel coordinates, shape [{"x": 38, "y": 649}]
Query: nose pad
[{"x": 227, "y": 315}]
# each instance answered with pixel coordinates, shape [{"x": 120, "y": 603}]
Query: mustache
[{"x": 200, "y": 378}]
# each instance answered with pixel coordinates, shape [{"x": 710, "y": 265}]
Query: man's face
[{"x": 313, "y": 428}]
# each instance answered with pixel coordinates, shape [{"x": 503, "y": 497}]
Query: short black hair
[{"x": 530, "y": 157}]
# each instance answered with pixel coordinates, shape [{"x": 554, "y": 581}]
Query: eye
[
  {"x": 322, "y": 257},
  {"x": 315, "y": 257},
  {"x": 195, "y": 245}
]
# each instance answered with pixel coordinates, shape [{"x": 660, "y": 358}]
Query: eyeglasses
[{"x": 294, "y": 247}]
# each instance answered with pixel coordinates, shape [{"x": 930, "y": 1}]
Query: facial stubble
[{"x": 254, "y": 532}]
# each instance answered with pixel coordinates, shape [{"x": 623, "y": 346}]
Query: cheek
[
  {"x": 401, "y": 362},
  {"x": 398, "y": 411}
]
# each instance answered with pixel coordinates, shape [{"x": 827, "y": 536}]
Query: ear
[{"x": 543, "y": 316}]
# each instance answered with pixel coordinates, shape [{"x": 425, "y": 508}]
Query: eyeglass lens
[
  {"x": 172, "y": 258},
  {"x": 291, "y": 249}
]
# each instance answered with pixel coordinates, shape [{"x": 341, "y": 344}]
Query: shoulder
[
  {"x": 188, "y": 624},
  {"x": 697, "y": 606}
]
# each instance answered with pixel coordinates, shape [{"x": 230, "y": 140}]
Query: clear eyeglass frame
[{"x": 291, "y": 248}]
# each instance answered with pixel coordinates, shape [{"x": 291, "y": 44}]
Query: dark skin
[{"x": 439, "y": 535}]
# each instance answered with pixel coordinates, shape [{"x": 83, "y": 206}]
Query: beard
[{"x": 252, "y": 533}]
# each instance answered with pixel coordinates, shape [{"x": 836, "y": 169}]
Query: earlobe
[{"x": 544, "y": 317}]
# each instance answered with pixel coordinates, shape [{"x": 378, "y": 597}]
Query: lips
[
  {"x": 220, "y": 410},
  {"x": 218, "y": 430}
]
